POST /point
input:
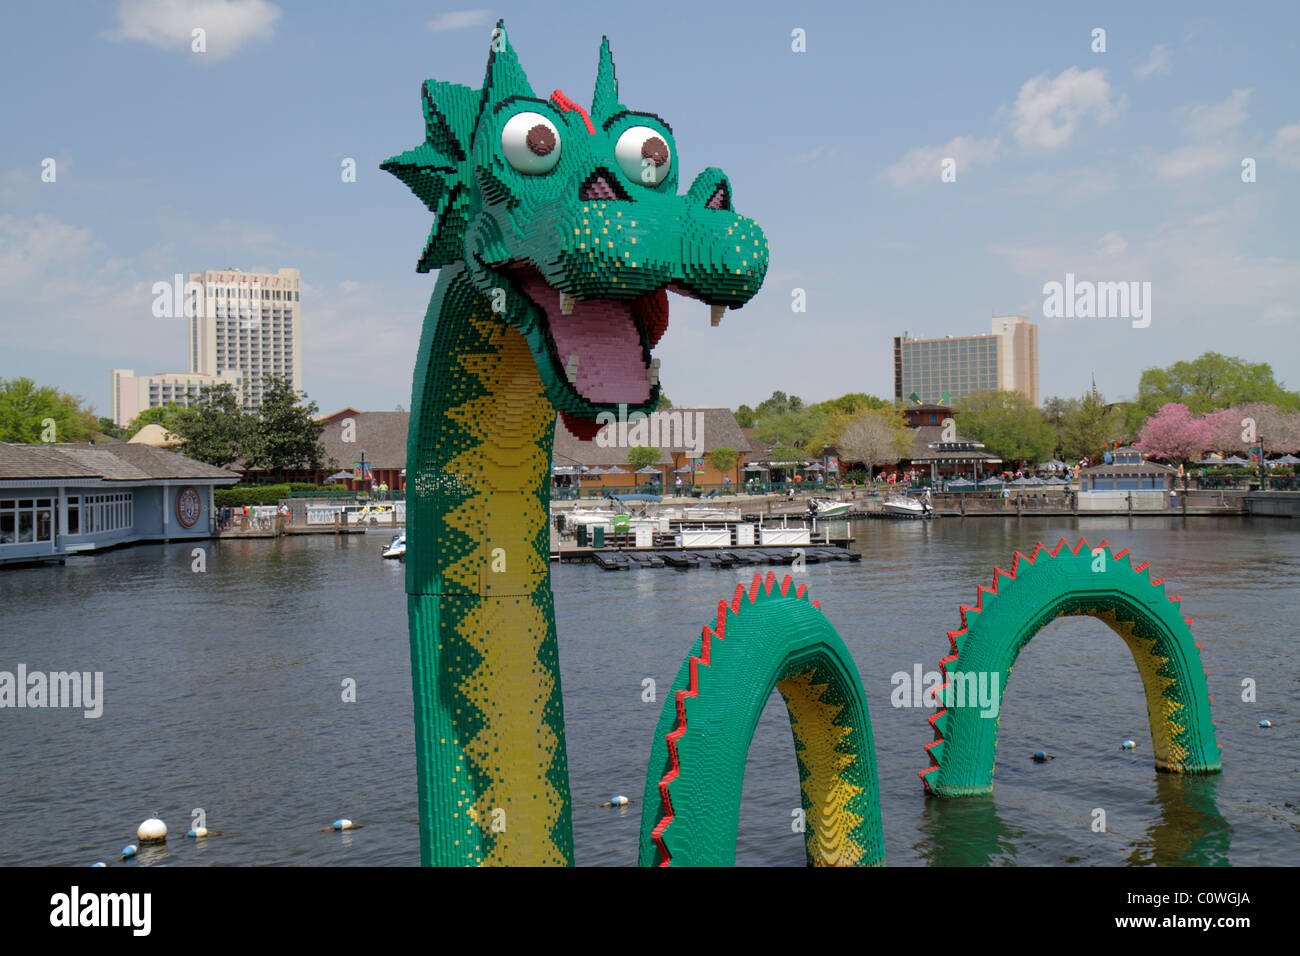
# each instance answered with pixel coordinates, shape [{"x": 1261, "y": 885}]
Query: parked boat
[
  {"x": 828, "y": 508},
  {"x": 395, "y": 548},
  {"x": 904, "y": 507}
]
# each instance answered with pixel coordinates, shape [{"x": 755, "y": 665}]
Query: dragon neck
[{"x": 489, "y": 717}]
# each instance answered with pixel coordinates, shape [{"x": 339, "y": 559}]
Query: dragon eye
[
  {"x": 643, "y": 154},
  {"x": 530, "y": 143}
]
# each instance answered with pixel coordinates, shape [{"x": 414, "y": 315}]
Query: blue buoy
[
  {"x": 197, "y": 832},
  {"x": 100, "y": 863},
  {"x": 342, "y": 824},
  {"x": 129, "y": 851},
  {"x": 1041, "y": 757},
  {"x": 619, "y": 801},
  {"x": 1266, "y": 723},
  {"x": 1127, "y": 745}
]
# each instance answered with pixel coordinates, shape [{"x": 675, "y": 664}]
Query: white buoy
[
  {"x": 342, "y": 824},
  {"x": 152, "y": 830},
  {"x": 129, "y": 851},
  {"x": 99, "y": 863},
  {"x": 197, "y": 832},
  {"x": 1127, "y": 745},
  {"x": 1266, "y": 723},
  {"x": 619, "y": 801}
]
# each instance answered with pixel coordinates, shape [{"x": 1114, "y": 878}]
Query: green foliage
[
  {"x": 240, "y": 495},
  {"x": 110, "y": 429},
  {"x": 26, "y": 411},
  {"x": 215, "y": 429},
  {"x": 785, "y": 420},
  {"x": 1209, "y": 382},
  {"x": 283, "y": 435},
  {"x": 722, "y": 458},
  {"x": 1008, "y": 424},
  {"x": 1083, "y": 428},
  {"x": 663, "y": 401},
  {"x": 162, "y": 415},
  {"x": 639, "y": 456}
]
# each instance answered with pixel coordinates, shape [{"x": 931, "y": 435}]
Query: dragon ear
[
  {"x": 604, "y": 103},
  {"x": 505, "y": 77},
  {"x": 438, "y": 171}
]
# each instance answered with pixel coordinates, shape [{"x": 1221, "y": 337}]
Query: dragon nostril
[
  {"x": 601, "y": 185},
  {"x": 721, "y": 198}
]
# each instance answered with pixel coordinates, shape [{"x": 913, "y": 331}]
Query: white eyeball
[
  {"x": 643, "y": 154},
  {"x": 530, "y": 143}
]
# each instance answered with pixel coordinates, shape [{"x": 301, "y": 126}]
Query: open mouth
[{"x": 600, "y": 346}]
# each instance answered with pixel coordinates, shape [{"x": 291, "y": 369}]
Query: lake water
[{"x": 223, "y": 691}]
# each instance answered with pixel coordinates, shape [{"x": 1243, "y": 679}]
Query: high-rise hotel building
[
  {"x": 1005, "y": 360},
  {"x": 244, "y": 327}
]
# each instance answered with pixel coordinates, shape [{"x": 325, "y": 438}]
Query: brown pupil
[
  {"x": 655, "y": 150},
  {"x": 540, "y": 140}
]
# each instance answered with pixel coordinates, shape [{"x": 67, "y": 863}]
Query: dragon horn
[
  {"x": 505, "y": 77},
  {"x": 604, "y": 103}
]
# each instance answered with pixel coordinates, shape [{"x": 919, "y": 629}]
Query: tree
[
  {"x": 163, "y": 415},
  {"x": 745, "y": 416},
  {"x": 639, "y": 456},
  {"x": 283, "y": 435},
  {"x": 37, "y": 413},
  {"x": 663, "y": 401},
  {"x": 215, "y": 429},
  {"x": 1206, "y": 383},
  {"x": 874, "y": 436},
  {"x": 1008, "y": 424},
  {"x": 110, "y": 429},
  {"x": 1240, "y": 428},
  {"x": 1175, "y": 434},
  {"x": 722, "y": 458},
  {"x": 1089, "y": 427}
]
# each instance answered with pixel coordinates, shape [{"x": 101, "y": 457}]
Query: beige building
[
  {"x": 243, "y": 328},
  {"x": 943, "y": 370}
]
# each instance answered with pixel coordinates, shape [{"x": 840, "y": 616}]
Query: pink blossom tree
[{"x": 1175, "y": 434}]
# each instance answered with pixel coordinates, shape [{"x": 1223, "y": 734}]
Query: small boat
[
  {"x": 904, "y": 507},
  {"x": 826, "y": 508},
  {"x": 395, "y": 548}
]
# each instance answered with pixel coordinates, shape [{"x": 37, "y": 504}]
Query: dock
[{"x": 625, "y": 559}]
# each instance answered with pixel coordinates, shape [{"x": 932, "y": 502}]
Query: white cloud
[
  {"x": 1208, "y": 120},
  {"x": 1158, "y": 61},
  {"x": 1285, "y": 149},
  {"x": 1112, "y": 244},
  {"x": 1048, "y": 112},
  {"x": 1191, "y": 162},
  {"x": 458, "y": 20},
  {"x": 169, "y": 24},
  {"x": 924, "y": 164}
]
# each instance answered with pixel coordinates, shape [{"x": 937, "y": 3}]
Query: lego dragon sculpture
[{"x": 557, "y": 234}]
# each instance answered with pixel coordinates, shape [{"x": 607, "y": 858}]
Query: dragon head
[{"x": 569, "y": 223}]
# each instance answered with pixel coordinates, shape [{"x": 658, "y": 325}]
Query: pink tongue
[{"x": 601, "y": 335}]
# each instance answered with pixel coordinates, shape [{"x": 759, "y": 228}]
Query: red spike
[
  {"x": 785, "y": 584},
  {"x": 735, "y": 601},
  {"x": 564, "y": 105},
  {"x": 769, "y": 581},
  {"x": 800, "y": 590},
  {"x": 817, "y": 605}
]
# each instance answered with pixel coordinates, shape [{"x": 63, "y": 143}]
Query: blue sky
[{"x": 1115, "y": 166}]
